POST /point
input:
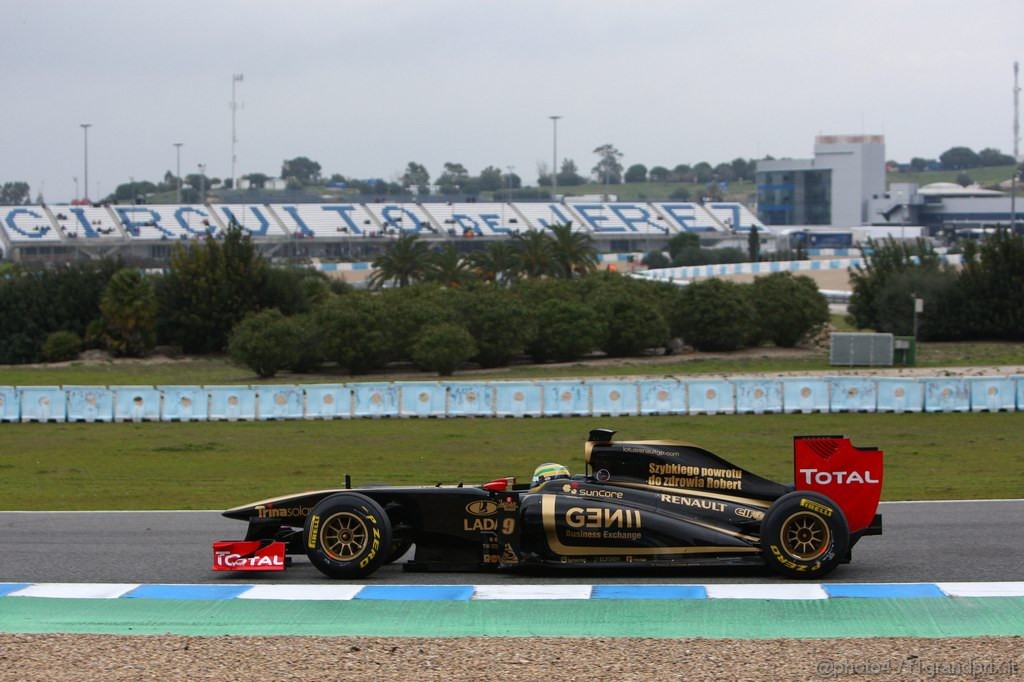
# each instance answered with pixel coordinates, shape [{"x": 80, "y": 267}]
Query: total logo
[
  {"x": 841, "y": 477},
  {"x": 231, "y": 560}
]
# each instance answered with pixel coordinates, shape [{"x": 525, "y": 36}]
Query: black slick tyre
[
  {"x": 347, "y": 536},
  {"x": 804, "y": 535}
]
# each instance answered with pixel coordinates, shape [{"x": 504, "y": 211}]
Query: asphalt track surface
[{"x": 923, "y": 542}]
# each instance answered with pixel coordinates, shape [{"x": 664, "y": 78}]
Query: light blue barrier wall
[
  {"x": 43, "y": 404},
  {"x": 328, "y": 401},
  {"x": 518, "y": 399},
  {"x": 710, "y": 397},
  {"x": 897, "y": 394},
  {"x": 280, "y": 401},
  {"x": 946, "y": 395},
  {"x": 10, "y": 404},
  {"x": 185, "y": 403},
  {"x": 470, "y": 399},
  {"x": 662, "y": 396},
  {"x": 758, "y": 396},
  {"x": 566, "y": 398},
  {"x": 232, "y": 403},
  {"x": 89, "y": 403},
  {"x": 422, "y": 399},
  {"x": 852, "y": 394},
  {"x": 511, "y": 399},
  {"x": 992, "y": 394},
  {"x": 375, "y": 400},
  {"x": 136, "y": 403},
  {"x": 805, "y": 395},
  {"x": 614, "y": 398}
]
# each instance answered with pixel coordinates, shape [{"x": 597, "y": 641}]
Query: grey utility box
[{"x": 871, "y": 350}]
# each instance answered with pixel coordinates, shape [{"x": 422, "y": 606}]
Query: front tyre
[
  {"x": 347, "y": 535},
  {"x": 804, "y": 535}
]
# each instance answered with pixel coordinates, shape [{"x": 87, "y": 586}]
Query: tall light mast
[
  {"x": 1016, "y": 150},
  {"x": 235, "y": 78}
]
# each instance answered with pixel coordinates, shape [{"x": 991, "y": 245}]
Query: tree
[
  {"x": 263, "y": 342},
  {"x": 302, "y": 169},
  {"x": 499, "y": 322},
  {"x": 569, "y": 175},
  {"x": 257, "y": 180},
  {"x": 742, "y": 169},
  {"x": 656, "y": 260},
  {"x": 919, "y": 164},
  {"x": 714, "y": 315},
  {"x": 753, "y": 245},
  {"x": 353, "y": 331},
  {"x": 566, "y": 330},
  {"x": 703, "y": 172},
  {"x": 682, "y": 173},
  {"x": 994, "y": 157},
  {"x": 636, "y": 173},
  {"x": 681, "y": 241},
  {"x": 533, "y": 253},
  {"x": 680, "y": 194},
  {"x": 416, "y": 175},
  {"x": 634, "y": 324},
  {"x": 491, "y": 179},
  {"x": 14, "y": 193},
  {"x": 572, "y": 251},
  {"x": 959, "y": 158},
  {"x": 723, "y": 173},
  {"x": 788, "y": 309},
  {"x": 882, "y": 261},
  {"x": 993, "y": 281},
  {"x": 447, "y": 267},
  {"x": 129, "y": 309},
  {"x": 208, "y": 289},
  {"x": 497, "y": 263},
  {"x": 660, "y": 174},
  {"x": 608, "y": 169},
  {"x": 405, "y": 262},
  {"x": 443, "y": 348}
]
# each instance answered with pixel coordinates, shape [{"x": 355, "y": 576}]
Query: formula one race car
[{"x": 643, "y": 503}]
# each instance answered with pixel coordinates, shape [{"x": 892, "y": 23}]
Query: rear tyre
[
  {"x": 347, "y": 536},
  {"x": 804, "y": 535}
]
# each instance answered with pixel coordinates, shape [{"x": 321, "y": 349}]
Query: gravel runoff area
[{"x": 54, "y": 657}]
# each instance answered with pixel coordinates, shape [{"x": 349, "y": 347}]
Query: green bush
[
  {"x": 309, "y": 351},
  {"x": 499, "y": 322},
  {"x": 264, "y": 342},
  {"x": 714, "y": 315},
  {"x": 566, "y": 330},
  {"x": 129, "y": 310},
  {"x": 788, "y": 309},
  {"x": 61, "y": 346},
  {"x": 407, "y": 310},
  {"x": 442, "y": 348},
  {"x": 354, "y": 333}
]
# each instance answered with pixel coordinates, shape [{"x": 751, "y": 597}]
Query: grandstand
[
  {"x": 622, "y": 218},
  {"x": 398, "y": 218},
  {"x": 325, "y": 221},
  {"x": 473, "y": 219},
  {"x": 686, "y": 216},
  {"x": 339, "y": 232},
  {"x": 541, "y": 216},
  {"x": 163, "y": 222}
]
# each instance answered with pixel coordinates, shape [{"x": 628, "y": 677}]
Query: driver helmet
[{"x": 549, "y": 471}]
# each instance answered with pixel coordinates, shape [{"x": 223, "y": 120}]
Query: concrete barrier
[
  {"x": 852, "y": 394},
  {"x": 993, "y": 394},
  {"x": 10, "y": 404},
  {"x": 518, "y": 399},
  {"x": 376, "y": 400},
  {"x": 185, "y": 403},
  {"x": 422, "y": 399},
  {"x": 710, "y": 397},
  {"x": 662, "y": 396},
  {"x": 89, "y": 403},
  {"x": 470, "y": 399},
  {"x": 232, "y": 403},
  {"x": 43, "y": 404},
  {"x": 614, "y": 398},
  {"x": 805, "y": 395},
  {"x": 279, "y": 401},
  {"x": 328, "y": 401},
  {"x": 758, "y": 396}
]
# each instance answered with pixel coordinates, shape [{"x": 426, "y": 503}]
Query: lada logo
[{"x": 482, "y": 508}]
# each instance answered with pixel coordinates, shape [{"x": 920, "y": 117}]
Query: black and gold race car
[{"x": 639, "y": 504}]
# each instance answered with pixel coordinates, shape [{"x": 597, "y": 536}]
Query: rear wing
[{"x": 850, "y": 476}]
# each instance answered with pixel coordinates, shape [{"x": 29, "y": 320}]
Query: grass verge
[{"x": 218, "y": 465}]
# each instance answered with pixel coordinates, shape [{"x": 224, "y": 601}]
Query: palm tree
[
  {"x": 533, "y": 252},
  {"x": 448, "y": 267},
  {"x": 573, "y": 252},
  {"x": 404, "y": 263},
  {"x": 499, "y": 263}
]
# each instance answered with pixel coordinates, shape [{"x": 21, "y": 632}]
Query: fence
[{"x": 548, "y": 398}]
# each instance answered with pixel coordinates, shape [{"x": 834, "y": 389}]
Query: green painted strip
[{"x": 742, "y": 618}]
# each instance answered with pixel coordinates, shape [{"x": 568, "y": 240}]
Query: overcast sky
[{"x": 364, "y": 87}]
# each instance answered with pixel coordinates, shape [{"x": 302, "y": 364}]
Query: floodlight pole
[
  {"x": 235, "y": 78},
  {"x": 178, "y": 148},
  {"x": 1016, "y": 151},
  {"x": 85, "y": 130},
  {"x": 554, "y": 156}
]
